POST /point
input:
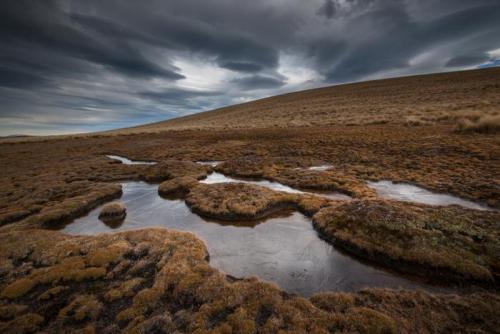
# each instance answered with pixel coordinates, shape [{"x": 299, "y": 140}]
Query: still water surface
[
  {"x": 127, "y": 161},
  {"x": 410, "y": 193},
  {"x": 283, "y": 249},
  {"x": 220, "y": 178}
]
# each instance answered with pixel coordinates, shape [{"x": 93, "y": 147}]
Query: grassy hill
[{"x": 415, "y": 100}]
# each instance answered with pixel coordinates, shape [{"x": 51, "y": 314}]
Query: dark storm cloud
[
  {"x": 255, "y": 82},
  {"x": 19, "y": 79},
  {"x": 238, "y": 52},
  {"x": 51, "y": 28},
  {"x": 64, "y": 63},
  {"x": 396, "y": 38},
  {"x": 467, "y": 60},
  {"x": 328, "y": 9}
]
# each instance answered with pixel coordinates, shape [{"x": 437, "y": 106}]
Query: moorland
[{"x": 440, "y": 132}]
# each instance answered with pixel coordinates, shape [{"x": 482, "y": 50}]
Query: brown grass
[
  {"x": 73, "y": 207},
  {"x": 232, "y": 201},
  {"x": 178, "y": 186},
  {"x": 114, "y": 211},
  {"x": 293, "y": 172},
  {"x": 177, "y": 290},
  {"x": 446, "y": 242},
  {"x": 170, "y": 169},
  {"x": 485, "y": 124},
  {"x": 423, "y": 313},
  {"x": 153, "y": 279},
  {"x": 392, "y": 101}
]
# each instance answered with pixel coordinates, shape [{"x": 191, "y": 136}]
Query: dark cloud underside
[{"x": 69, "y": 66}]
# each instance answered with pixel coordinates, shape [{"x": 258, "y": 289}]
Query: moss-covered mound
[
  {"x": 113, "y": 212},
  {"x": 64, "y": 211},
  {"x": 439, "y": 241},
  {"x": 293, "y": 172},
  {"x": 170, "y": 169},
  {"x": 178, "y": 186},
  {"x": 159, "y": 281},
  {"x": 237, "y": 201}
]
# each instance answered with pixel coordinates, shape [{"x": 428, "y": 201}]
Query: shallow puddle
[
  {"x": 320, "y": 168},
  {"x": 221, "y": 178},
  {"x": 285, "y": 250},
  {"x": 127, "y": 161},
  {"x": 410, "y": 193},
  {"x": 212, "y": 163}
]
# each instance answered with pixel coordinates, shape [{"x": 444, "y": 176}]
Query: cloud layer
[{"x": 73, "y": 66}]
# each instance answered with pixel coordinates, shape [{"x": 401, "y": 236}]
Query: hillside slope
[{"x": 420, "y": 99}]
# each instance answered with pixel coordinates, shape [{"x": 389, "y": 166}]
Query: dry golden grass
[
  {"x": 68, "y": 209},
  {"x": 176, "y": 290},
  {"x": 232, "y": 201},
  {"x": 413, "y": 101},
  {"x": 485, "y": 124},
  {"x": 170, "y": 169},
  {"x": 417, "y": 100}
]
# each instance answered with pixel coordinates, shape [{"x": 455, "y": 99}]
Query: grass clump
[
  {"x": 170, "y": 169},
  {"x": 179, "y": 292},
  {"x": 126, "y": 289},
  {"x": 112, "y": 212},
  {"x": 414, "y": 120},
  {"x": 12, "y": 310},
  {"x": 103, "y": 256},
  {"x": 178, "y": 186},
  {"x": 294, "y": 173},
  {"x": 81, "y": 308},
  {"x": 237, "y": 201},
  {"x": 51, "y": 293},
  {"x": 71, "y": 208},
  {"x": 485, "y": 124},
  {"x": 26, "y": 323},
  {"x": 431, "y": 241},
  {"x": 18, "y": 288}
]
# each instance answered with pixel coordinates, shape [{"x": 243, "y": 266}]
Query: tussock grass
[
  {"x": 416, "y": 120},
  {"x": 114, "y": 211},
  {"x": 178, "y": 291},
  {"x": 449, "y": 242},
  {"x": 170, "y": 169},
  {"x": 49, "y": 180},
  {"x": 484, "y": 124},
  {"x": 236, "y": 201},
  {"x": 178, "y": 186},
  {"x": 241, "y": 201},
  {"x": 71, "y": 208},
  {"x": 388, "y": 101},
  {"x": 293, "y": 172}
]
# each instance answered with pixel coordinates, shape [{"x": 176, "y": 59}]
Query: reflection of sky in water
[
  {"x": 320, "y": 167},
  {"x": 126, "y": 161},
  {"x": 221, "y": 178},
  {"x": 410, "y": 193},
  {"x": 285, "y": 250},
  {"x": 212, "y": 163}
]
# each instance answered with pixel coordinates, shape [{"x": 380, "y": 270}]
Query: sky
[{"x": 79, "y": 66}]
